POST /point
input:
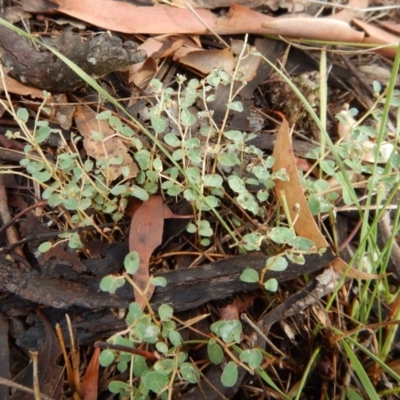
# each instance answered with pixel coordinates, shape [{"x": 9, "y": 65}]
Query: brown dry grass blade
[
  {"x": 90, "y": 381},
  {"x": 145, "y": 236},
  {"x": 305, "y": 225}
]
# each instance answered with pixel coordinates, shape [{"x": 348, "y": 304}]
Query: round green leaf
[
  {"x": 165, "y": 312},
  {"x": 106, "y": 358},
  {"x": 236, "y": 184},
  {"x": 139, "y": 193},
  {"x": 23, "y": 114},
  {"x": 228, "y": 331},
  {"x": 122, "y": 366},
  {"x": 213, "y": 180},
  {"x": 104, "y": 115},
  {"x": 131, "y": 262},
  {"x": 320, "y": 185},
  {"x": 172, "y": 140},
  {"x": 230, "y": 374},
  {"x": 177, "y": 155},
  {"x": 235, "y": 106},
  {"x": 205, "y": 242},
  {"x": 115, "y": 123},
  {"x": 158, "y": 123},
  {"x": 271, "y": 285},
  {"x": 277, "y": 263},
  {"x": 159, "y": 281},
  {"x": 85, "y": 204},
  {"x": 70, "y": 204},
  {"x": 234, "y": 135},
  {"x": 45, "y": 246},
  {"x": 111, "y": 283},
  {"x": 42, "y": 134},
  {"x": 253, "y": 357},
  {"x": 228, "y": 160},
  {"x": 139, "y": 366},
  {"x": 193, "y": 175},
  {"x": 134, "y": 313},
  {"x": 281, "y": 235},
  {"x": 249, "y": 275},
  {"x": 42, "y": 176},
  {"x": 162, "y": 347},
  {"x": 301, "y": 243},
  {"x": 155, "y": 381},
  {"x": 205, "y": 229},
  {"x": 118, "y": 387},
  {"x": 175, "y": 338},
  {"x": 187, "y": 118},
  {"x": 189, "y": 372},
  {"x": 118, "y": 190},
  {"x": 215, "y": 352},
  {"x": 328, "y": 166},
  {"x": 143, "y": 159}
]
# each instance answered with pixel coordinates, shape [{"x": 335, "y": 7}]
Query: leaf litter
[{"x": 180, "y": 40}]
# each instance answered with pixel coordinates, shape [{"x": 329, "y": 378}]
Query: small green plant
[{"x": 156, "y": 354}]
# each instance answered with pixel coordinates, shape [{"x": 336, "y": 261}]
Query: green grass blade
[
  {"x": 360, "y": 372},
  {"x": 306, "y": 373}
]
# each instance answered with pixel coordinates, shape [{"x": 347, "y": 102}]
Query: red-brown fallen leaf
[
  {"x": 90, "y": 381},
  {"x": 305, "y": 225},
  {"x": 378, "y": 37},
  {"x": 126, "y": 18},
  {"x": 248, "y": 65},
  {"x": 16, "y": 87},
  {"x": 110, "y": 146},
  {"x": 145, "y": 236},
  {"x": 141, "y": 74},
  {"x": 313, "y": 28},
  {"x": 206, "y": 60},
  {"x": 342, "y": 267},
  {"x": 392, "y": 26},
  {"x": 229, "y": 312},
  {"x": 240, "y": 304}
]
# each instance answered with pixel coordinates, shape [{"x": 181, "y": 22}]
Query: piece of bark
[
  {"x": 40, "y": 68},
  {"x": 4, "y": 354},
  {"x": 57, "y": 293},
  {"x": 50, "y": 375},
  {"x": 185, "y": 289},
  {"x": 189, "y": 288}
]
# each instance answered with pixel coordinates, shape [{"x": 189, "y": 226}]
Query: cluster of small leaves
[
  {"x": 167, "y": 342},
  {"x": 162, "y": 333},
  {"x": 208, "y": 154},
  {"x": 79, "y": 185},
  {"x": 361, "y": 141},
  {"x": 110, "y": 283},
  {"x": 230, "y": 333},
  {"x": 284, "y": 236}
]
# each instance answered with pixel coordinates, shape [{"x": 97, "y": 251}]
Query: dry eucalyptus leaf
[{"x": 106, "y": 148}]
